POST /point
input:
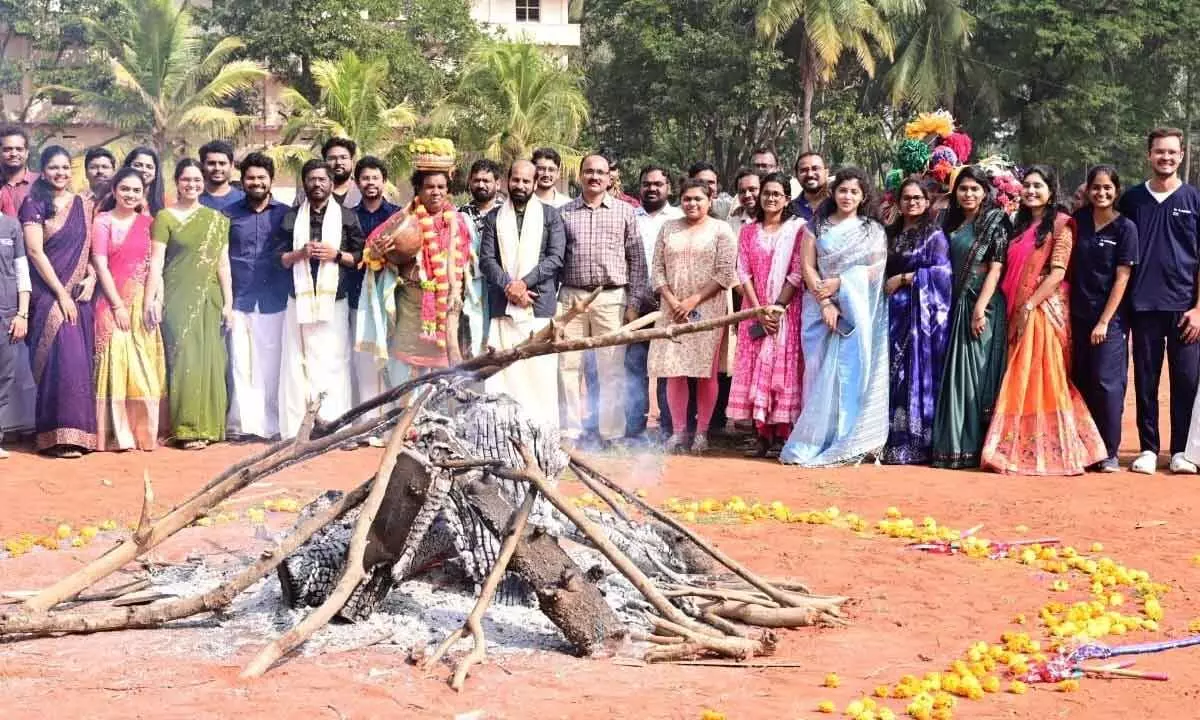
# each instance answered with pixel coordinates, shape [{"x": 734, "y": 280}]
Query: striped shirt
[{"x": 604, "y": 249}]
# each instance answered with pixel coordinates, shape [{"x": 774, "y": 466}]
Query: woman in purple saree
[
  {"x": 918, "y": 287},
  {"x": 61, "y": 333}
]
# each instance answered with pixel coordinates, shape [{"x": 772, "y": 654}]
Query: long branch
[
  {"x": 487, "y": 362},
  {"x": 149, "y": 616}
]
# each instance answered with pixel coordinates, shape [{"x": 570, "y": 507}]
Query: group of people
[{"x": 959, "y": 333}]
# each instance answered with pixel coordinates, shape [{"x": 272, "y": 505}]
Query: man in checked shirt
[{"x": 604, "y": 250}]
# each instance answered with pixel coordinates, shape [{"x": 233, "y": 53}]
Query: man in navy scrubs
[{"x": 1164, "y": 298}]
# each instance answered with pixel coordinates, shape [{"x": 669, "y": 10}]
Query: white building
[{"x": 544, "y": 22}]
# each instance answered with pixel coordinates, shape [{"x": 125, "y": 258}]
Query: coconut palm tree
[
  {"x": 165, "y": 89},
  {"x": 820, "y": 32},
  {"x": 930, "y": 53},
  {"x": 351, "y": 103},
  {"x": 512, "y": 98}
]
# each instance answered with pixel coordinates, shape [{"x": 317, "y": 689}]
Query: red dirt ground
[{"x": 914, "y": 612}]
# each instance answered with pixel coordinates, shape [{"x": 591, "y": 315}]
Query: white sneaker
[
  {"x": 3, "y": 454},
  {"x": 1145, "y": 463},
  {"x": 1180, "y": 465}
]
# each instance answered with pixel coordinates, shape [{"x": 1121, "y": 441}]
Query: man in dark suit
[{"x": 521, "y": 258}]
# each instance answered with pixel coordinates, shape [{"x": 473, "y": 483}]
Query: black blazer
[{"x": 543, "y": 279}]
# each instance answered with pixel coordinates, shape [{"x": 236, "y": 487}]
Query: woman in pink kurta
[{"x": 768, "y": 370}]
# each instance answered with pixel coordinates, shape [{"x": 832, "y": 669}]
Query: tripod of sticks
[{"x": 731, "y": 616}]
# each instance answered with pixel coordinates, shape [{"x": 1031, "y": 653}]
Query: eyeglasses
[
  {"x": 772, "y": 195},
  {"x": 913, "y": 199}
]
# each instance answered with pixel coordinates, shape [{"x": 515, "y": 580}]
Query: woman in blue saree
[
  {"x": 844, "y": 333},
  {"x": 918, "y": 289}
]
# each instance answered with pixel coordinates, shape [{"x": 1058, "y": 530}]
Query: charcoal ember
[{"x": 310, "y": 574}]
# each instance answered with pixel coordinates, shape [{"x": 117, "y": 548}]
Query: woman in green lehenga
[
  {"x": 979, "y": 234},
  {"x": 192, "y": 295}
]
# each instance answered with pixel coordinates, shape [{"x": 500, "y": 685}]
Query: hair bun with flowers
[{"x": 1005, "y": 177}]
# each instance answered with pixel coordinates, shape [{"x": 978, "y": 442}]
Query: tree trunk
[
  {"x": 810, "y": 89},
  {"x": 1187, "y": 126}
]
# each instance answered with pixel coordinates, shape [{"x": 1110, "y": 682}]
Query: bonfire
[{"x": 468, "y": 484}]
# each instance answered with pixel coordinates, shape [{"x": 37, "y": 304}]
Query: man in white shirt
[
  {"x": 747, "y": 183},
  {"x": 655, "y": 211},
  {"x": 547, "y": 167}
]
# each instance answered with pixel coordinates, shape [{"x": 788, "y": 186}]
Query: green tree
[
  {"x": 512, "y": 98},
  {"x": 423, "y": 42},
  {"x": 352, "y": 103},
  {"x": 38, "y": 40},
  {"x": 164, "y": 89},
  {"x": 819, "y": 32},
  {"x": 674, "y": 81},
  {"x": 930, "y": 54},
  {"x": 1073, "y": 82}
]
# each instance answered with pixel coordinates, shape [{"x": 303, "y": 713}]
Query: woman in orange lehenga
[{"x": 1041, "y": 425}]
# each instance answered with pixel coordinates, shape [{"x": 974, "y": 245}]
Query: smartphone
[
  {"x": 845, "y": 328},
  {"x": 693, "y": 316},
  {"x": 757, "y": 331}
]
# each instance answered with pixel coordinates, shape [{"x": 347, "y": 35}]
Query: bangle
[
  {"x": 23, "y": 316},
  {"x": 825, "y": 302}
]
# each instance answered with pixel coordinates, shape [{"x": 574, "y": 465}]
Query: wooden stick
[
  {"x": 354, "y": 572},
  {"x": 644, "y": 321},
  {"x": 734, "y": 647},
  {"x": 229, "y": 482},
  {"x": 143, "y": 526},
  {"x": 760, "y": 616},
  {"x": 149, "y": 616},
  {"x": 744, "y": 663},
  {"x": 604, "y": 494},
  {"x": 739, "y": 569},
  {"x": 743, "y": 597},
  {"x": 473, "y": 624}
]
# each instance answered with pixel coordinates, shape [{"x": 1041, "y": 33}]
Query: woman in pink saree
[{"x": 130, "y": 361}]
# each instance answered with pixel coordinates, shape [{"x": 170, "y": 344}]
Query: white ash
[{"x": 416, "y": 615}]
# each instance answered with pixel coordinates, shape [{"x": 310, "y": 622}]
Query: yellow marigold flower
[
  {"x": 1068, "y": 685},
  {"x": 886, "y": 714},
  {"x": 1016, "y": 687},
  {"x": 1154, "y": 611},
  {"x": 854, "y": 709},
  {"x": 832, "y": 680},
  {"x": 827, "y": 707},
  {"x": 63, "y": 531},
  {"x": 893, "y": 512},
  {"x": 1097, "y": 547},
  {"x": 991, "y": 684},
  {"x": 882, "y": 691},
  {"x": 712, "y": 715}
]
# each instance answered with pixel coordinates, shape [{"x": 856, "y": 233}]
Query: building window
[{"x": 529, "y": 10}]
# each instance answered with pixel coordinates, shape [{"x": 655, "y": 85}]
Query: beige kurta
[{"x": 685, "y": 259}]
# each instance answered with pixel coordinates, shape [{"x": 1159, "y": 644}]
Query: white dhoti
[
  {"x": 255, "y": 354},
  {"x": 316, "y": 359},
  {"x": 532, "y": 382}
]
